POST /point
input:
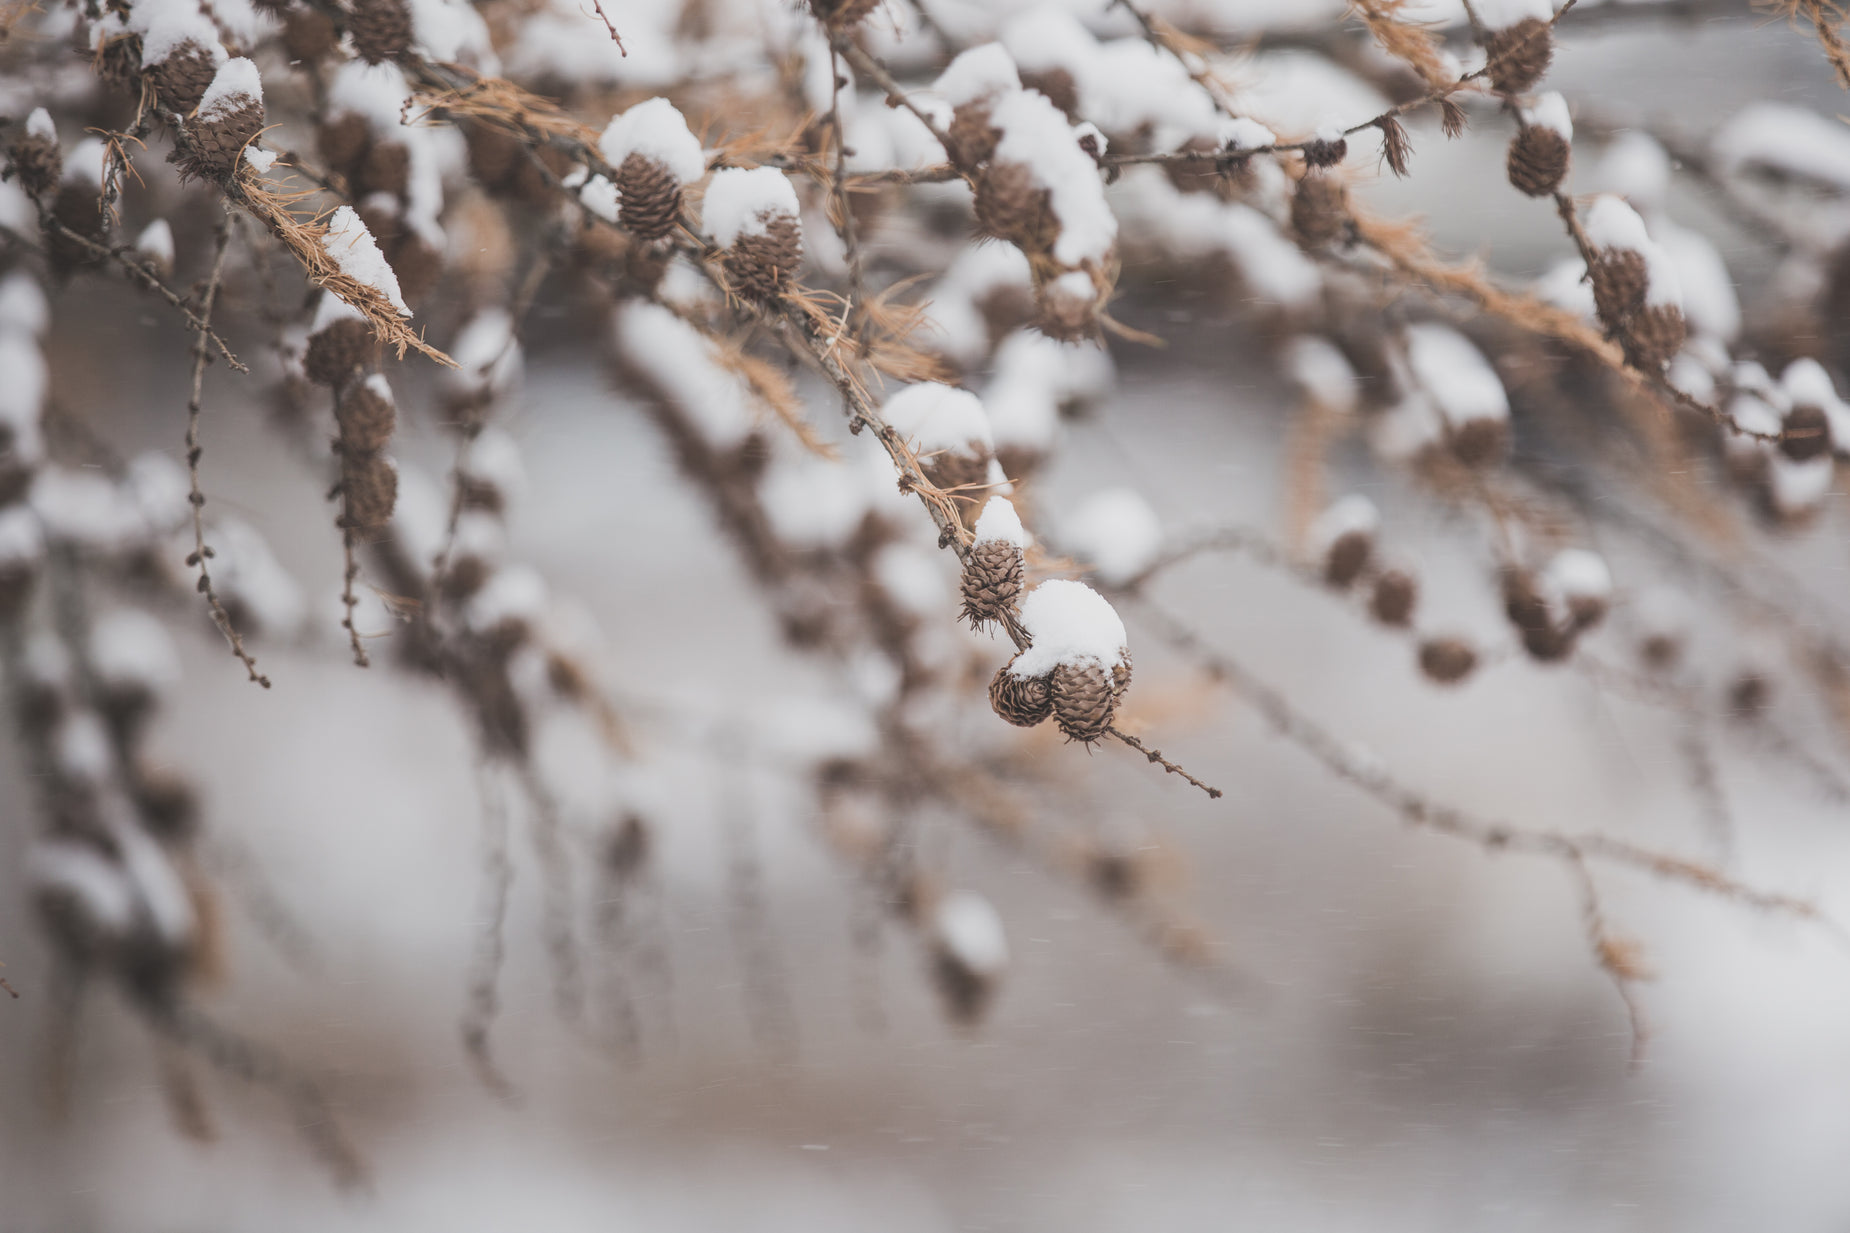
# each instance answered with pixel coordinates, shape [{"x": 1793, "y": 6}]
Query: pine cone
[
  {"x": 181, "y": 78},
  {"x": 963, "y": 474},
  {"x": 37, "y": 164},
  {"x": 76, "y": 208},
  {"x": 1538, "y": 160},
  {"x": 336, "y": 350},
  {"x": 1480, "y": 442},
  {"x": 1059, "y": 87},
  {"x": 1064, "y": 315},
  {"x": 1320, "y": 153},
  {"x": 417, "y": 265},
  {"x": 1544, "y": 640},
  {"x": 1347, "y": 557},
  {"x": 966, "y": 992},
  {"x": 1395, "y": 594},
  {"x": 381, "y": 29},
  {"x": 1011, "y": 205},
  {"x": 992, "y": 580},
  {"x": 1023, "y": 701},
  {"x": 759, "y": 267},
  {"x": 385, "y": 169},
  {"x": 1519, "y": 55},
  {"x": 1195, "y": 177},
  {"x": 1653, "y": 336},
  {"x": 973, "y": 137},
  {"x": 308, "y": 35},
  {"x": 366, "y": 419},
  {"x": 1121, "y": 675},
  {"x": 1319, "y": 210},
  {"x": 1447, "y": 661},
  {"x": 842, "y": 15},
  {"x": 1082, "y": 700},
  {"x": 649, "y": 198},
  {"x": 210, "y": 146},
  {"x": 119, "y": 62},
  {"x": 369, "y": 490},
  {"x": 1806, "y": 434},
  {"x": 343, "y": 141},
  {"x": 1619, "y": 280}
]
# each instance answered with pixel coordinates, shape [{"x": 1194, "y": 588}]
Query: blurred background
[{"x": 1399, "y": 1030}]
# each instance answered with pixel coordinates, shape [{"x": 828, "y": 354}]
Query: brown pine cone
[
  {"x": 1319, "y": 152},
  {"x": 369, "y": 490},
  {"x": 181, "y": 78},
  {"x": 337, "y": 349},
  {"x": 1195, "y": 177},
  {"x": 343, "y": 141},
  {"x": 962, "y": 474},
  {"x": 308, "y": 35},
  {"x": 1805, "y": 434},
  {"x": 1619, "y": 280},
  {"x": 1538, "y": 160},
  {"x": 385, "y": 169},
  {"x": 1064, "y": 315},
  {"x": 1480, "y": 442},
  {"x": 1320, "y": 210},
  {"x": 37, "y": 164},
  {"x": 760, "y": 267},
  {"x": 381, "y": 29},
  {"x": 366, "y": 417},
  {"x": 210, "y": 146},
  {"x": 649, "y": 198},
  {"x": 1059, "y": 87},
  {"x": 991, "y": 581},
  {"x": 973, "y": 137},
  {"x": 841, "y": 15},
  {"x": 119, "y": 61},
  {"x": 1023, "y": 701},
  {"x": 1347, "y": 557},
  {"x": 1518, "y": 56},
  {"x": 1011, "y": 205},
  {"x": 1082, "y": 700},
  {"x": 1395, "y": 594},
  {"x": 1653, "y": 336},
  {"x": 76, "y": 208},
  {"x": 1447, "y": 661}
]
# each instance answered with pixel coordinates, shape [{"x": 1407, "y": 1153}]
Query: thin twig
[{"x": 194, "y": 451}]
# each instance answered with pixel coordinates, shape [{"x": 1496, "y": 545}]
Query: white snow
[
  {"x": 63, "y": 870},
  {"x": 1036, "y": 135},
  {"x": 678, "y": 359},
  {"x": 1578, "y": 573},
  {"x": 968, "y": 929},
  {"x": 331, "y": 308},
  {"x": 981, "y": 72},
  {"x": 1612, "y": 224},
  {"x": 1798, "y": 487},
  {"x": 26, "y": 383},
  {"x": 39, "y": 125},
  {"x": 1785, "y": 139},
  {"x": 260, "y": 159},
  {"x": 160, "y": 490},
  {"x": 1637, "y": 168},
  {"x": 1069, "y": 624},
  {"x": 84, "y": 162},
  {"x": 516, "y": 593},
  {"x": 937, "y": 418},
  {"x": 814, "y": 502},
  {"x": 375, "y": 91},
  {"x": 85, "y": 509},
  {"x": 1118, "y": 532},
  {"x": 1000, "y": 522},
  {"x": 1455, "y": 374},
  {"x": 657, "y": 131},
  {"x": 1550, "y": 111},
  {"x": 913, "y": 578},
  {"x": 1320, "y": 369},
  {"x": 488, "y": 356},
  {"x": 129, "y": 648},
  {"x": 155, "y": 243},
  {"x": 236, "y": 86},
  {"x": 354, "y": 250},
  {"x": 247, "y": 571},
  {"x": 1246, "y": 135},
  {"x": 82, "y": 750},
  {"x": 169, "y": 27},
  {"x": 21, "y": 540},
  {"x": 493, "y": 459},
  {"x": 23, "y": 307},
  {"x": 1353, "y": 514},
  {"x": 743, "y": 202}
]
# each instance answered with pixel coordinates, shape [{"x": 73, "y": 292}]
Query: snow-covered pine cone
[
  {"x": 1619, "y": 278},
  {"x": 840, "y": 15},
  {"x": 759, "y": 267},
  {"x": 229, "y": 118},
  {"x": 35, "y": 161},
  {"x": 1083, "y": 698},
  {"x": 1518, "y": 56},
  {"x": 649, "y": 198},
  {"x": 973, "y": 137},
  {"x": 182, "y": 76},
  {"x": 366, "y": 416},
  {"x": 369, "y": 490},
  {"x": 1022, "y": 701},
  {"x": 1538, "y": 160},
  {"x": 1806, "y": 432},
  {"x": 1653, "y": 336},
  {"x": 381, "y": 29},
  {"x": 1058, "y": 85},
  {"x": 991, "y": 581},
  {"x": 1011, "y": 205},
  {"x": 1347, "y": 556}
]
